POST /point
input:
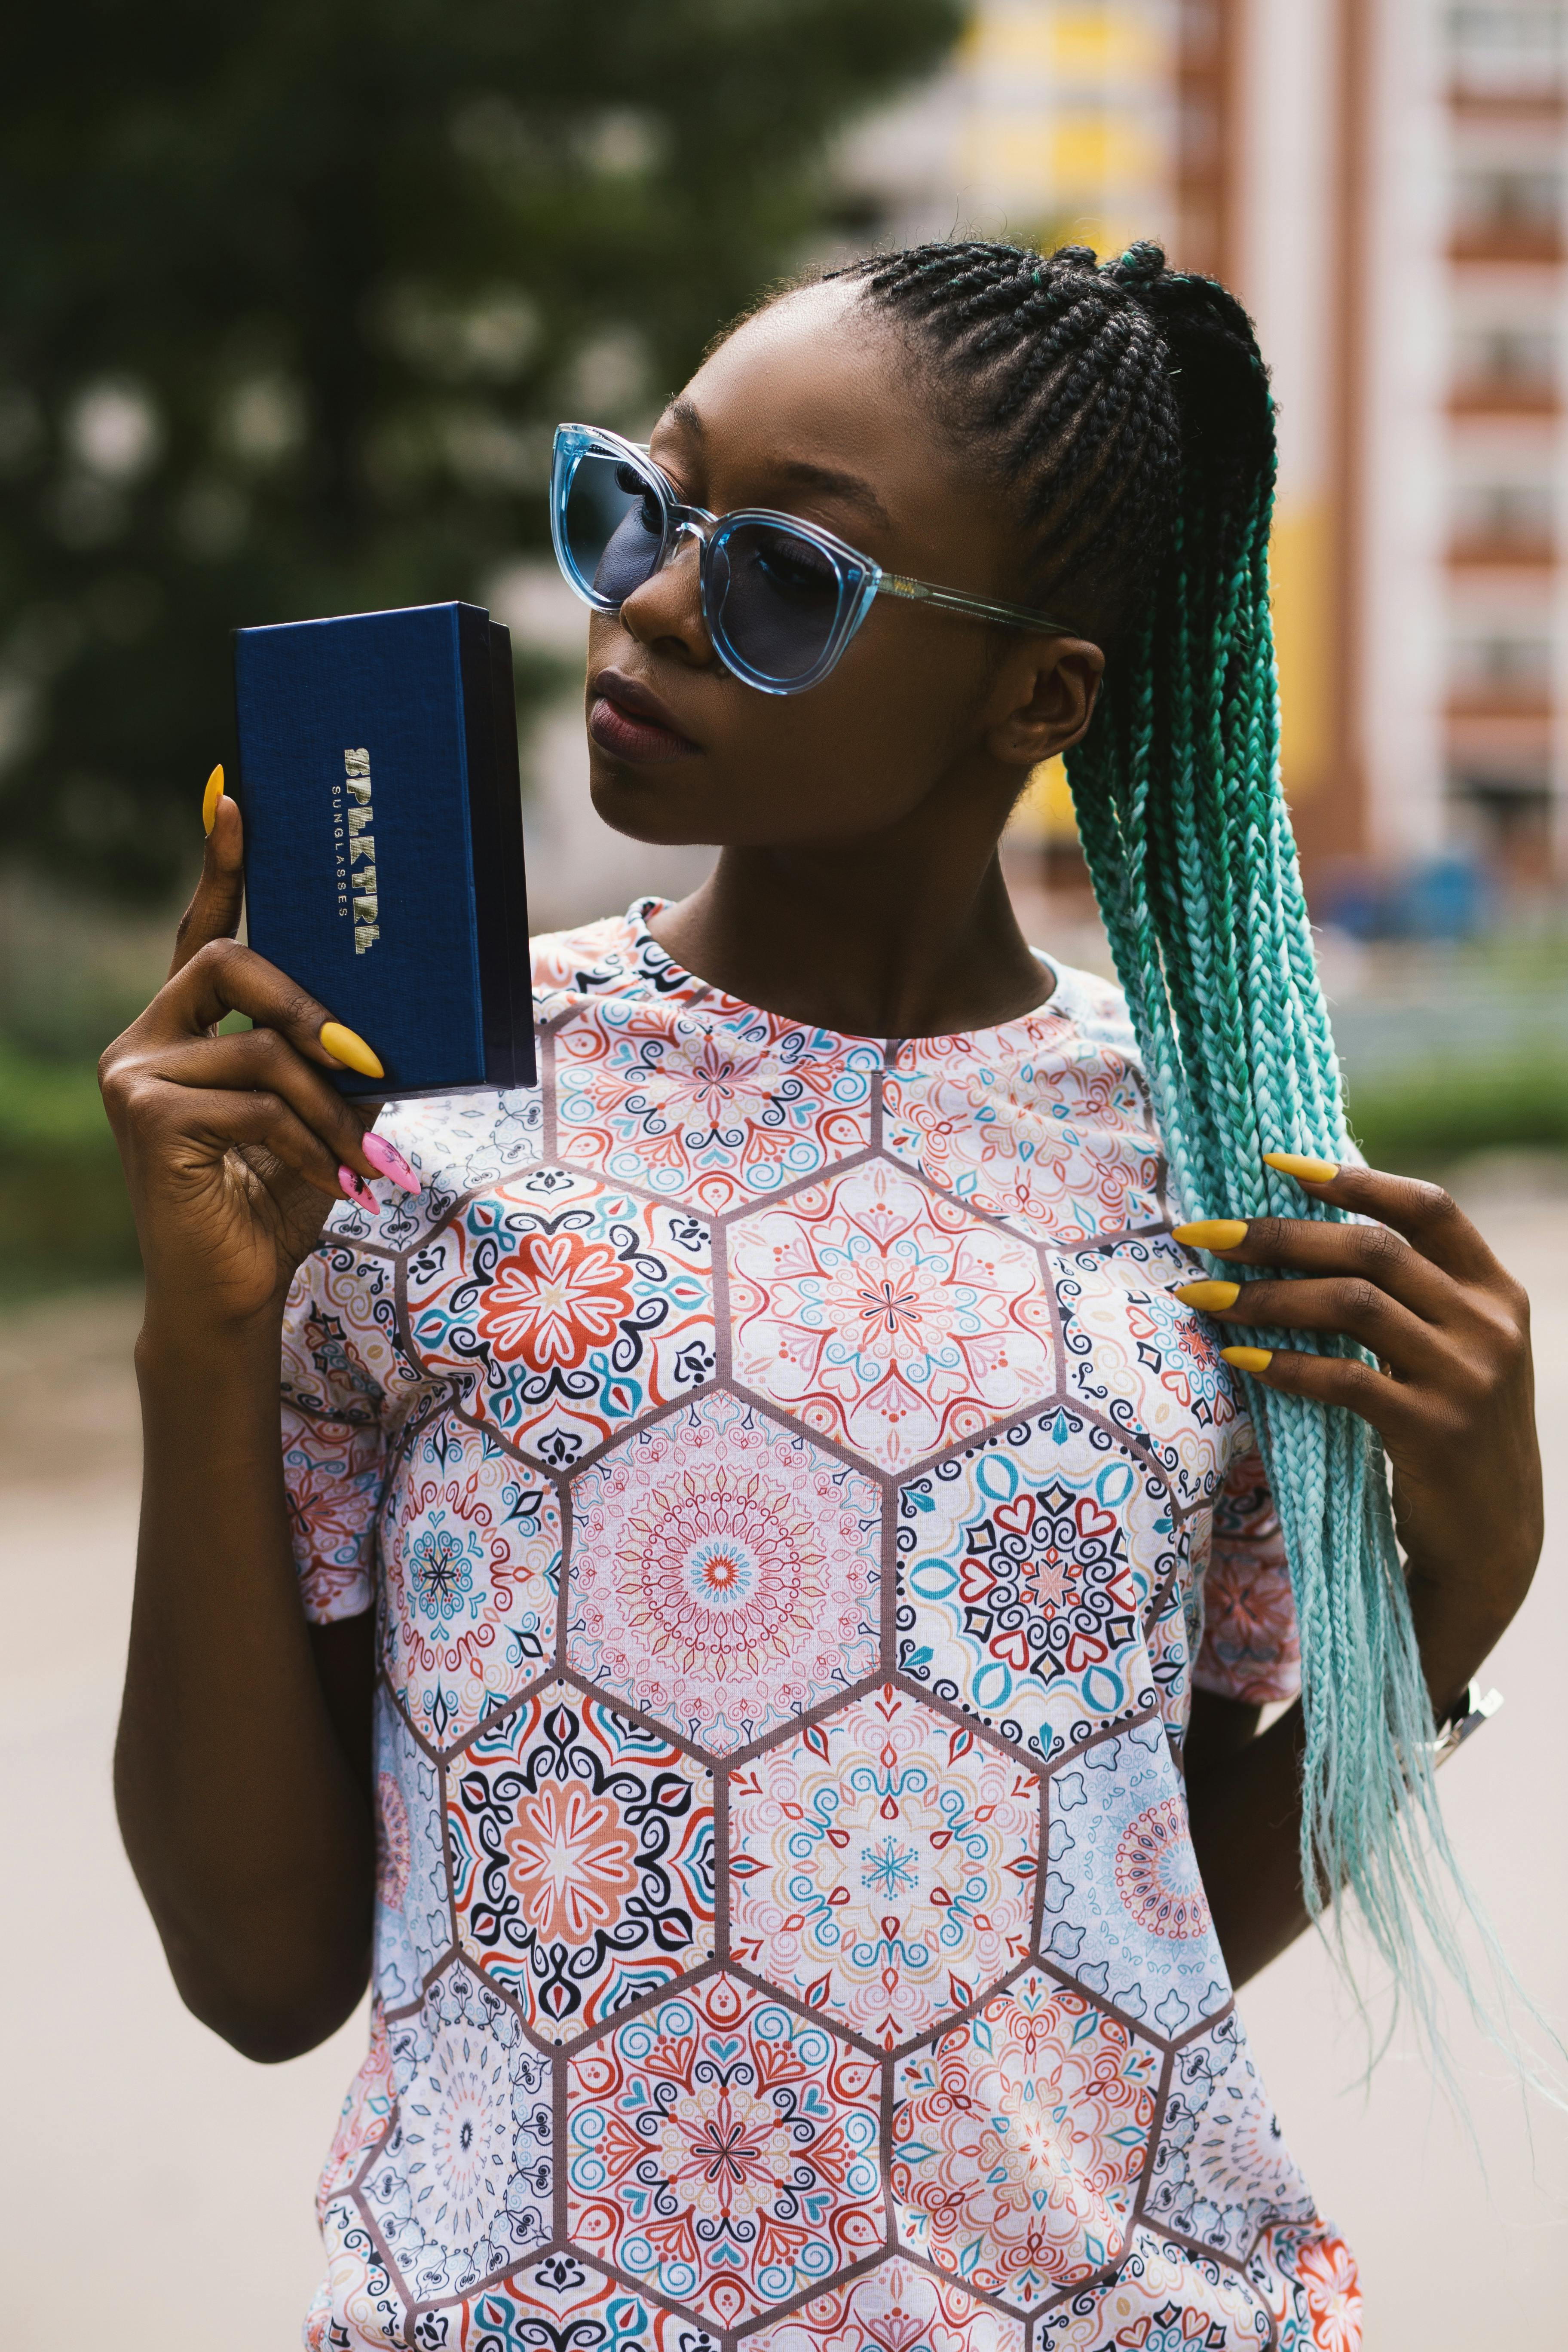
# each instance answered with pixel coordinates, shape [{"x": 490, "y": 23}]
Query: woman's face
[{"x": 810, "y": 408}]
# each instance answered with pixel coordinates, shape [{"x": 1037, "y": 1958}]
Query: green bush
[
  {"x": 64, "y": 1217},
  {"x": 1420, "y": 1120}
]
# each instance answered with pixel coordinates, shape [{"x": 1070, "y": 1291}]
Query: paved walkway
[{"x": 154, "y": 2188}]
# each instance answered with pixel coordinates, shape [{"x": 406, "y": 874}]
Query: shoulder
[{"x": 1096, "y": 1008}]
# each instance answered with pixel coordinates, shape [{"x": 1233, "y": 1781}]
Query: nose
[{"x": 665, "y": 613}]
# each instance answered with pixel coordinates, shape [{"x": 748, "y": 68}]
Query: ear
[{"x": 1043, "y": 699}]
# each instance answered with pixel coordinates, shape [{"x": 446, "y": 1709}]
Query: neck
[{"x": 896, "y": 935}]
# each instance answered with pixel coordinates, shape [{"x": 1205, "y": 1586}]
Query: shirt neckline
[{"x": 647, "y": 950}]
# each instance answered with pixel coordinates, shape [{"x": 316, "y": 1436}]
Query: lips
[{"x": 628, "y": 719}]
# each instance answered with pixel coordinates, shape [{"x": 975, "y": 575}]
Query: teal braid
[
  {"x": 1128, "y": 410},
  {"x": 1184, "y": 826}
]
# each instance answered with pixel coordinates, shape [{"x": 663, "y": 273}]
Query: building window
[
  {"x": 1507, "y": 49},
  {"x": 1504, "y": 520},
  {"x": 1502, "y": 671},
  {"x": 1507, "y": 214}
]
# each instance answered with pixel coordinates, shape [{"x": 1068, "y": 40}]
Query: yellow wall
[{"x": 1299, "y": 566}]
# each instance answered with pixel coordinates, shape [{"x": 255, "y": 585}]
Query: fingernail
[
  {"x": 1298, "y": 1163},
  {"x": 351, "y": 1051},
  {"x": 210, "y": 799},
  {"x": 1211, "y": 1234},
  {"x": 392, "y": 1164},
  {"x": 1248, "y": 1359},
  {"x": 1209, "y": 1296},
  {"x": 356, "y": 1189}
]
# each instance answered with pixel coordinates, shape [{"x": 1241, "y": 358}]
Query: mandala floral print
[
  {"x": 897, "y": 2307},
  {"x": 1019, "y": 2139},
  {"x": 757, "y": 1565},
  {"x": 563, "y": 2304},
  {"x": 1149, "y": 1364},
  {"x": 413, "y": 1926},
  {"x": 565, "y": 1308},
  {"x": 796, "y": 1515},
  {"x": 1125, "y": 1911},
  {"x": 719, "y": 1112},
  {"x": 1164, "y": 2298},
  {"x": 1309, "y": 2276},
  {"x": 725, "y": 2149},
  {"x": 1250, "y": 1649},
  {"x": 1222, "y": 2169},
  {"x": 582, "y": 1849},
  {"x": 883, "y": 1866},
  {"x": 461, "y": 2188},
  {"x": 1026, "y": 1565},
  {"x": 470, "y": 1551},
  {"x": 885, "y": 1316},
  {"x": 1034, "y": 1124}
]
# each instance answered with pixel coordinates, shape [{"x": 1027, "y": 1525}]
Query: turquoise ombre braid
[{"x": 1127, "y": 412}]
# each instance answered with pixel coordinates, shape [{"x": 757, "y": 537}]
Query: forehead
[{"x": 819, "y": 380}]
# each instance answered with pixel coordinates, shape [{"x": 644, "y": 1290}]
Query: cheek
[{"x": 848, "y": 757}]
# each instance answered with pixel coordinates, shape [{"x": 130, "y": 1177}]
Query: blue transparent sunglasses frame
[{"x": 860, "y": 579}]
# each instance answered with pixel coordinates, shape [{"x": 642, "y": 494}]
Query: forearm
[
  {"x": 1244, "y": 1788},
  {"x": 240, "y": 1812}
]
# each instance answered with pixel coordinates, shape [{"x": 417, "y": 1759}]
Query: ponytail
[
  {"x": 1184, "y": 822},
  {"x": 1128, "y": 410}
]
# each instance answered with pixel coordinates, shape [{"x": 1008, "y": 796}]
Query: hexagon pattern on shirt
[{"x": 789, "y": 1496}]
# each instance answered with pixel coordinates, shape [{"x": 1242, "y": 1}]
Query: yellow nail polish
[
  {"x": 210, "y": 799},
  {"x": 1248, "y": 1359},
  {"x": 1209, "y": 1296},
  {"x": 1211, "y": 1234},
  {"x": 351, "y": 1051},
  {"x": 1298, "y": 1164}
]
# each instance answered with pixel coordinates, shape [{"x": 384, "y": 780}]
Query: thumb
[{"x": 214, "y": 911}]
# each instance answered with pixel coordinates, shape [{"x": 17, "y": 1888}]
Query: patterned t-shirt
[{"x": 796, "y": 1512}]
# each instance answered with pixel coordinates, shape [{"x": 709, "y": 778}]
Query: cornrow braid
[{"x": 1126, "y": 411}]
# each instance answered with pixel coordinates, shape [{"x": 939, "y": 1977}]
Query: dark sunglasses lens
[
  {"x": 774, "y": 598},
  {"x": 613, "y": 526}
]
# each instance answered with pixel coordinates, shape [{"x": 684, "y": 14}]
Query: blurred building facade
[{"x": 1382, "y": 183}]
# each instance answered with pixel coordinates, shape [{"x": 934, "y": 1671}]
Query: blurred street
[{"x": 163, "y": 2184}]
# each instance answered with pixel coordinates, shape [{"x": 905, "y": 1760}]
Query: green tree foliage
[{"x": 291, "y": 296}]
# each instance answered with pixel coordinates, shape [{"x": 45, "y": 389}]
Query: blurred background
[{"x": 290, "y": 301}]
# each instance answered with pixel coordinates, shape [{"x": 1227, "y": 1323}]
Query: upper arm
[{"x": 344, "y": 1652}]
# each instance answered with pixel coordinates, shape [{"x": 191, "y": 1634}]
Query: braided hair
[{"x": 1125, "y": 412}]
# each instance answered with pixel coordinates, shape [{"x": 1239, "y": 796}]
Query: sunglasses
[{"x": 781, "y": 598}]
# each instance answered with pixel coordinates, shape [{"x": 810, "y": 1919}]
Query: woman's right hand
[{"x": 232, "y": 1145}]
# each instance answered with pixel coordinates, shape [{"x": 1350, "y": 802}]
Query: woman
[{"x": 771, "y": 1484}]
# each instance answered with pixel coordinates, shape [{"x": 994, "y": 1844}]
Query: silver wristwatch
[{"x": 1467, "y": 1716}]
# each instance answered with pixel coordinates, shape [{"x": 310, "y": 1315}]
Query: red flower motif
[{"x": 556, "y": 1299}]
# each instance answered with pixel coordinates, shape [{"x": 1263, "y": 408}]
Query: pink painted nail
[
  {"x": 356, "y": 1190},
  {"x": 390, "y": 1162}
]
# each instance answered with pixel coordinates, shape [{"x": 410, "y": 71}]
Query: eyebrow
[{"x": 800, "y": 471}]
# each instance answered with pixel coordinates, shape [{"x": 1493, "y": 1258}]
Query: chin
[{"x": 649, "y": 805}]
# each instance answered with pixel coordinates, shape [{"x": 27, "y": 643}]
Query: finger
[
  {"x": 1392, "y": 1409},
  {"x": 1428, "y": 1217},
  {"x": 223, "y": 977},
  {"x": 262, "y": 1061},
  {"x": 214, "y": 910},
  {"x": 1350, "y": 1305},
  {"x": 1375, "y": 1254},
  {"x": 224, "y": 1120}
]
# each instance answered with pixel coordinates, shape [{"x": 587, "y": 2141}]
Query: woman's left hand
[{"x": 1453, "y": 1401}]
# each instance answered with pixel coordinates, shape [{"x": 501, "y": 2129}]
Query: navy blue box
[{"x": 384, "y": 862}]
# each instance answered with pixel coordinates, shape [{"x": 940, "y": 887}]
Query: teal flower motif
[{"x": 441, "y": 1567}]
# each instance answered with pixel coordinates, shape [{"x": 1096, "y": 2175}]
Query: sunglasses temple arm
[{"x": 1014, "y": 616}]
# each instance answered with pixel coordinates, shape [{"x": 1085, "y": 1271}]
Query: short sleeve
[
  {"x": 334, "y": 1449},
  {"x": 1250, "y": 1650}
]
